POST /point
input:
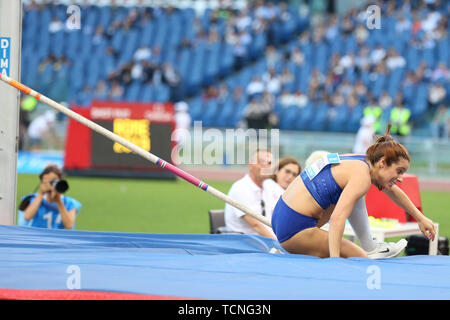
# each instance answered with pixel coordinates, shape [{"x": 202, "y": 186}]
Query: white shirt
[
  {"x": 39, "y": 126},
  {"x": 182, "y": 122},
  {"x": 364, "y": 138},
  {"x": 245, "y": 191},
  {"x": 272, "y": 192}
]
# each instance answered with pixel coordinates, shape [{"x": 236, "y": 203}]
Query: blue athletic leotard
[{"x": 286, "y": 222}]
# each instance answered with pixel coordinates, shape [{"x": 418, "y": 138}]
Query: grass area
[
  {"x": 125, "y": 205},
  {"x": 157, "y": 206}
]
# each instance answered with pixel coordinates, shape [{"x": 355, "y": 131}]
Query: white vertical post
[{"x": 10, "y": 45}]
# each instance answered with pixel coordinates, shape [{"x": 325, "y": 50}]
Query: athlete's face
[
  {"x": 287, "y": 174},
  {"x": 388, "y": 176}
]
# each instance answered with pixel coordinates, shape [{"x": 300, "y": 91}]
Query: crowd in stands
[{"x": 263, "y": 66}]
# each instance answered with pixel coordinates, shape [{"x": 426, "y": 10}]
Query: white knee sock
[{"x": 359, "y": 220}]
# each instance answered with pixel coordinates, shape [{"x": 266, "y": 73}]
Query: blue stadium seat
[
  {"x": 428, "y": 55},
  {"x": 133, "y": 91},
  {"x": 304, "y": 118},
  {"x": 147, "y": 37},
  {"x": 227, "y": 60},
  {"x": 288, "y": 117},
  {"x": 443, "y": 51},
  {"x": 420, "y": 103},
  {"x": 210, "y": 111},
  {"x": 225, "y": 114},
  {"x": 162, "y": 93},
  {"x": 412, "y": 58},
  {"x": 338, "y": 122},
  {"x": 354, "y": 120},
  {"x": 394, "y": 81},
  {"x": 378, "y": 85},
  {"x": 104, "y": 16},
  {"x": 256, "y": 48},
  {"x": 147, "y": 94},
  {"x": 195, "y": 108},
  {"x": 319, "y": 120}
]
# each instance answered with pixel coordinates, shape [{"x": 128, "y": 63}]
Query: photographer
[{"x": 49, "y": 208}]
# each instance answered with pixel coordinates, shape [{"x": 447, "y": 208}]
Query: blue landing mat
[{"x": 206, "y": 266}]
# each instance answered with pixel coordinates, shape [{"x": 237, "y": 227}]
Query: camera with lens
[{"x": 60, "y": 186}]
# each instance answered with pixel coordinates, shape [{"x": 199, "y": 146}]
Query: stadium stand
[{"x": 179, "y": 53}]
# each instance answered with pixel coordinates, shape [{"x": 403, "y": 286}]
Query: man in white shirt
[
  {"x": 365, "y": 136},
  {"x": 249, "y": 191},
  {"x": 41, "y": 129}
]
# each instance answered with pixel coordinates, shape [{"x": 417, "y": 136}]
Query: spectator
[
  {"x": 42, "y": 129},
  {"x": 400, "y": 120},
  {"x": 272, "y": 57},
  {"x": 394, "y": 60},
  {"x": 286, "y": 77},
  {"x": 365, "y": 135},
  {"x": 375, "y": 110},
  {"x": 257, "y": 114},
  {"x": 440, "y": 73},
  {"x": 210, "y": 93},
  {"x": 300, "y": 99},
  {"x": 377, "y": 55},
  {"x": 287, "y": 170},
  {"x": 249, "y": 191},
  {"x": 385, "y": 100},
  {"x": 297, "y": 56},
  {"x": 172, "y": 78},
  {"x": 360, "y": 90},
  {"x": 440, "y": 125},
  {"x": 362, "y": 60},
  {"x": 55, "y": 26},
  {"x": 142, "y": 53},
  {"x": 85, "y": 97},
  {"x": 402, "y": 25},
  {"x": 116, "y": 92},
  {"x": 436, "y": 95},
  {"x": 287, "y": 99},
  {"x": 272, "y": 81},
  {"x": 101, "y": 91},
  {"x": 255, "y": 87},
  {"x": 49, "y": 207},
  {"x": 182, "y": 122},
  {"x": 27, "y": 105}
]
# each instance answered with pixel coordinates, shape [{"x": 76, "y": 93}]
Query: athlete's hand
[{"x": 427, "y": 228}]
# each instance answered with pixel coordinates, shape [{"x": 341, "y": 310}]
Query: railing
[{"x": 429, "y": 157}]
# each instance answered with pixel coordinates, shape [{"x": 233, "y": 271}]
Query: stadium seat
[
  {"x": 304, "y": 118},
  {"x": 337, "y": 123},
  {"x": 319, "y": 120},
  {"x": 217, "y": 222},
  {"x": 132, "y": 93},
  {"x": 148, "y": 93}
]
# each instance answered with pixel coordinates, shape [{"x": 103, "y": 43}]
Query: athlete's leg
[
  {"x": 314, "y": 241},
  {"x": 359, "y": 220}
]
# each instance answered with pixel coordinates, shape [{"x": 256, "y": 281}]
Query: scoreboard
[{"x": 148, "y": 126}]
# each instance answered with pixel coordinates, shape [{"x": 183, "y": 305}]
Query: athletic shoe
[{"x": 387, "y": 249}]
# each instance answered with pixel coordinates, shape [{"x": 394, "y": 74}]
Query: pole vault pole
[{"x": 143, "y": 153}]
